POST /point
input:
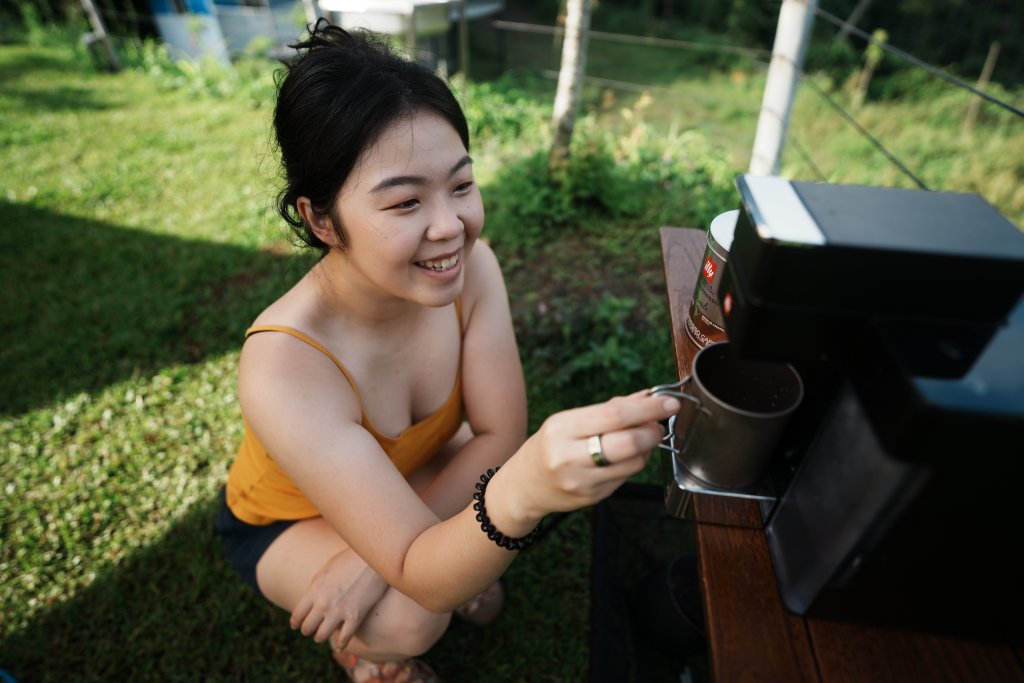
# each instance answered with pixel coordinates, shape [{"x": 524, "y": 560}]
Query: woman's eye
[
  {"x": 407, "y": 204},
  {"x": 463, "y": 187}
]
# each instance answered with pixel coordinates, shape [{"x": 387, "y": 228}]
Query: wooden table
[{"x": 751, "y": 636}]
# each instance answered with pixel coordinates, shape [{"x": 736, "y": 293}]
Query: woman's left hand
[{"x": 333, "y": 604}]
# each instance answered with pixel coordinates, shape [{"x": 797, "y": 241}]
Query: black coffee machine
[{"x": 896, "y": 497}]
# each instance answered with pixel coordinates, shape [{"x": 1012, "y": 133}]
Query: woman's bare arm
[{"x": 310, "y": 421}]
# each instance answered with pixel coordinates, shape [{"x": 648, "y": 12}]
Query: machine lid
[
  {"x": 901, "y": 220},
  {"x": 776, "y": 211},
  {"x": 948, "y": 224}
]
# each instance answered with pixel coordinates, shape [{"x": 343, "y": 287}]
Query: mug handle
[
  {"x": 668, "y": 441},
  {"x": 670, "y": 390}
]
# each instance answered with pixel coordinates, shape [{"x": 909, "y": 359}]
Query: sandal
[
  {"x": 362, "y": 670},
  {"x": 484, "y": 608}
]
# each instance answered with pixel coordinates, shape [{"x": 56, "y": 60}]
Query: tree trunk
[
  {"x": 852, "y": 20},
  {"x": 570, "y": 79},
  {"x": 986, "y": 74},
  {"x": 463, "y": 40}
]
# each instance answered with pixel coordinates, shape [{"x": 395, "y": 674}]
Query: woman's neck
[{"x": 350, "y": 300}]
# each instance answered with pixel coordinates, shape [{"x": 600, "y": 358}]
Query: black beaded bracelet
[{"x": 485, "y": 521}]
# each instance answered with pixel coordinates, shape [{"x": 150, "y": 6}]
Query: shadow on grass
[
  {"x": 175, "y": 611},
  {"x": 171, "y": 611},
  {"x": 85, "y": 304}
]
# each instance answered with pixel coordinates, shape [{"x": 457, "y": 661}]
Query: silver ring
[{"x": 597, "y": 451}]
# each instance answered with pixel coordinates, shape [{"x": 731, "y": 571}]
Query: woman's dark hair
[{"x": 341, "y": 92}]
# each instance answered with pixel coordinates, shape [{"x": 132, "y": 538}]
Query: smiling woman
[{"x": 382, "y": 393}]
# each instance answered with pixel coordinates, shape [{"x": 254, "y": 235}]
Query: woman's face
[{"x": 412, "y": 211}]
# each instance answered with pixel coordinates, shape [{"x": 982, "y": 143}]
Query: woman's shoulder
[
  {"x": 286, "y": 350},
  {"x": 484, "y": 290},
  {"x": 283, "y": 366},
  {"x": 482, "y": 275}
]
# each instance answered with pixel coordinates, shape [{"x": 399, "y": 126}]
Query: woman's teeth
[{"x": 443, "y": 264}]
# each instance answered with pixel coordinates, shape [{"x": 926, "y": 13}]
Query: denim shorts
[{"x": 245, "y": 543}]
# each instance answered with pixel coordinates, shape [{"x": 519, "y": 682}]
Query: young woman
[{"x": 382, "y": 391}]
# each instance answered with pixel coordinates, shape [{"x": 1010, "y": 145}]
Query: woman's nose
[{"x": 445, "y": 222}]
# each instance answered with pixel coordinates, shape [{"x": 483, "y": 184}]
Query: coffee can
[{"x": 705, "y": 324}]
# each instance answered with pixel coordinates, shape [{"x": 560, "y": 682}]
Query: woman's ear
[{"x": 321, "y": 225}]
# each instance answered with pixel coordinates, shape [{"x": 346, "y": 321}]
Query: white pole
[
  {"x": 100, "y": 33},
  {"x": 463, "y": 40},
  {"x": 791, "y": 37}
]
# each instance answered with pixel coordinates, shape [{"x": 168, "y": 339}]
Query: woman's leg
[{"x": 396, "y": 628}]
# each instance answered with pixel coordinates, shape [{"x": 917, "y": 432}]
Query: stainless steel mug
[{"x": 734, "y": 412}]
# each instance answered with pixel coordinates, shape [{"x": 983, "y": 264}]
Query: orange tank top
[{"x": 258, "y": 490}]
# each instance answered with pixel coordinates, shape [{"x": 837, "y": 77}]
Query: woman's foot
[
  {"x": 362, "y": 670},
  {"x": 484, "y": 608}
]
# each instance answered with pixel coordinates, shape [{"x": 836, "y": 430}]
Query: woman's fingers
[
  {"x": 327, "y": 627},
  {"x": 626, "y": 444},
  {"x": 300, "y": 612},
  {"x": 617, "y": 414},
  {"x": 311, "y": 623},
  {"x": 342, "y": 636}
]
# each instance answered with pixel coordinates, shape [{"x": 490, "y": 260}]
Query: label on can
[{"x": 705, "y": 324}]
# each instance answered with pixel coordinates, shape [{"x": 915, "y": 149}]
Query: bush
[
  {"x": 591, "y": 350},
  {"x": 643, "y": 176}
]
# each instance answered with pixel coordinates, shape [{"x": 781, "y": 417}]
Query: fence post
[
  {"x": 791, "y": 37},
  {"x": 463, "y": 40},
  {"x": 100, "y": 34},
  {"x": 986, "y": 74}
]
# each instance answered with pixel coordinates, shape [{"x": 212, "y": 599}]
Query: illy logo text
[{"x": 709, "y": 269}]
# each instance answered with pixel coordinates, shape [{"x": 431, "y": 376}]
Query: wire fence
[
  {"x": 911, "y": 59},
  {"x": 125, "y": 19},
  {"x": 759, "y": 57}
]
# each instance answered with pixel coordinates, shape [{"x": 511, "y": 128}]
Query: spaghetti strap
[
  {"x": 312, "y": 342},
  {"x": 323, "y": 349}
]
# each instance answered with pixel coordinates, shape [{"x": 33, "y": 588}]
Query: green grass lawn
[{"x": 138, "y": 239}]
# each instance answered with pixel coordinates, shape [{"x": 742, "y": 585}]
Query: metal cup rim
[{"x": 742, "y": 411}]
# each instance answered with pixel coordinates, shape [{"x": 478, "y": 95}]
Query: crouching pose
[{"x": 382, "y": 392}]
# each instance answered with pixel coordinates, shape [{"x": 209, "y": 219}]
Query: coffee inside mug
[{"x": 744, "y": 384}]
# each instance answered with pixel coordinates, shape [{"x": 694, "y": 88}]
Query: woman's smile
[{"x": 443, "y": 265}]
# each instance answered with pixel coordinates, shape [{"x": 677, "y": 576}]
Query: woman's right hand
[
  {"x": 334, "y": 606},
  {"x": 557, "y": 464}
]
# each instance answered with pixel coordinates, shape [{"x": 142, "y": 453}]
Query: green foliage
[
  {"x": 825, "y": 55},
  {"x": 642, "y": 175},
  {"x": 502, "y": 111},
  {"x": 874, "y": 52},
  {"x": 581, "y": 350},
  {"x": 32, "y": 28},
  {"x": 35, "y": 31},
  {"x": 572, "y": 342},
  {"x": 251, "y": 76}
]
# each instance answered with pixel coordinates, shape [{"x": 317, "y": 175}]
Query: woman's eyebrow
[
  {"x": 459, "y": 164},
  {"x": 397, "y": 180}
]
